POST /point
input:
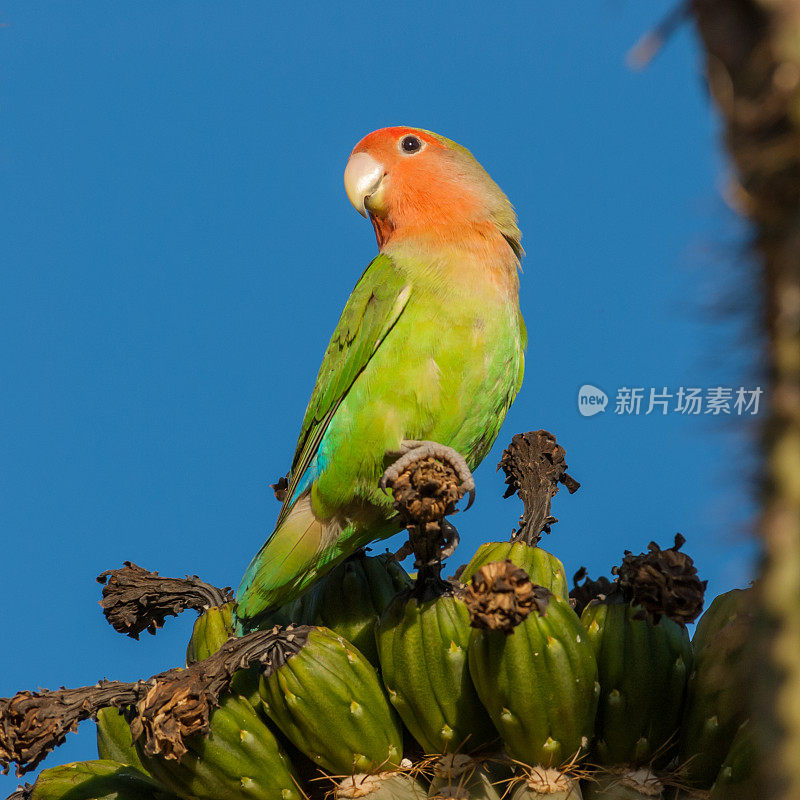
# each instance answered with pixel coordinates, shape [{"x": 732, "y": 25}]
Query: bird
[{"x": 427, "y": 357}]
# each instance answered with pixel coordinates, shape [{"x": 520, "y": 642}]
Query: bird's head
[{"x": 412, "y": 183}]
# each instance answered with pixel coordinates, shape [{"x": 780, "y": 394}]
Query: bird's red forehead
[{"x": 387, "y": 139}]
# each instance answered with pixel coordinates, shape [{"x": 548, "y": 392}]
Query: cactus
[
  {"x": 350, "y": 599},
  {"x": 114, "y": 742},
  {"x": 717, "y": 695},
  {"x": 96, "y": 780},
  {"x": 533, "y": 666},
  {"x": 737, "y": 779},
  {"x": 327, "y": 700},
  {"x": 724, "y": 609},
  {"x": 423, "y": 652},
  {"x": 543, "y": 568},
  {"x": 643, "y": 654},
  {"x": 624, "y": 784},
  {"x": 534, "y": 467},
  {"x": 240, "y": 759},
  {"x": 643, "y": 669},
  {"x": 211, "y": 630},
  {"x": 393, "y": 785},
  {"x": 542, "y": 783}
]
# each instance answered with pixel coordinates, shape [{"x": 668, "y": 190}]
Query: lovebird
[{"x": 429, "y": 349}]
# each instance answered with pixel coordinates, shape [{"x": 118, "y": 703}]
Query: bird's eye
[{"x": 410, "y": 144}]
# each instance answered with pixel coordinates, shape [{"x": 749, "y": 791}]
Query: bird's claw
[{"x": 413, "y": 450}]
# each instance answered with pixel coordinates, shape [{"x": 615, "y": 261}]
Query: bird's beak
[{"x": 362, "y": 179}]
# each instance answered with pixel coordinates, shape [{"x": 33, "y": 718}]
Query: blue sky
[{"x": 177, "y": 247}]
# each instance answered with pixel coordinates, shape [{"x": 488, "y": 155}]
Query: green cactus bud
[
  {"x": 350, "y": 599},
  {"x": 542, "y": 567},
  {"x": 423, "y": 651},
  {"x": 328, "y": 701},
  {"x": 97, "y": 780},
  {"x": 239, "y": 759},
  {"x": 717, "y": 698},
  {"x": 738, "y": 776},
  {"x": 114, "y": 741},
  {"x": 537, "y": 676},
  {"x": 724, "y": 609},
  {"x": 211, "y": 630},
  {"x": 643, "y": 668}
]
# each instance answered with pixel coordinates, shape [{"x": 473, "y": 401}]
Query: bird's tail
[{"x": 299, "y": 549}]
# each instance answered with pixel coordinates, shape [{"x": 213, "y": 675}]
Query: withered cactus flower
[
  {"x": 137, "y": 600},
  {"x": 534, "y": 467},
  {"x": 501, "y": 596},
  {"x": 663, "y": 582},
  {"x": 34, "y": 723},
  {"x": 584, "y": 593},
  {"x": 427, "y": 484},
  {"x": 426, "y": 490},
  {"x": 178, "y": 703},
  {"x": 165, "y": 709}
]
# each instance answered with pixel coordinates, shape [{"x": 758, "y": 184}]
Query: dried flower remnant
[
  {"x": 663, "y": 582},
  {"x": 425, "y": 490},
  {"x": 534, "y": 467},
  {"x": 137, "y": 600},
  {"x": 165, "y": 710},
  {"x": 34, "y": 723},
  {"x": 427, "y": 483},
  {"x": 501, "y": 596},
  {"x": 582, "y": 594}
]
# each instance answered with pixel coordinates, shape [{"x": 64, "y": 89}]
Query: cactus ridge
[
  {"x": 539, "y": 685},
  {"x": 643, "y": 669},
  {"x": 312, "y": 695},
  {"x": 423, "y": 652},
  {"x": 240, "y": 759}
]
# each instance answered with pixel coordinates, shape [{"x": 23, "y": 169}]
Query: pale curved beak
[{"x": 362, "y": 177}]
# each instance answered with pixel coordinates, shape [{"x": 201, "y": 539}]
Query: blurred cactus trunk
[{"x": 753, "y": 70}]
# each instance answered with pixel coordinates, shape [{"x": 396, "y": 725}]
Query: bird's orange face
[{"x": 409, "y": 181}]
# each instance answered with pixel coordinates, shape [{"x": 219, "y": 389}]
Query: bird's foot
[{"x": 413, "y": 450}]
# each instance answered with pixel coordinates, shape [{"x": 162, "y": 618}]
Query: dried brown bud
[
  {"x": 137, "y": 600},
  {"x": 501, "y": 596},
  {"x": 171, "y": 711},
  {"x": 426, "y": 491},
  {"x": 34, "y": 723},
  {"x": 534, "y": 467},
  {"x": 663, "y": 582},
  {"x": 178, "y": 703},
  {"x": 582, "y": 594}
]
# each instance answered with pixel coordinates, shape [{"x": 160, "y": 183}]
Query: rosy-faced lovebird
[{"x": 429, "y": 348}]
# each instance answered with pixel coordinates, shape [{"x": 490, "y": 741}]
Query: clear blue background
[{"x": 177, "y": 247}]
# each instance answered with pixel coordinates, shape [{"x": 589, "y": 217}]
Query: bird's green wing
[{"x": 375, "y": 305}]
